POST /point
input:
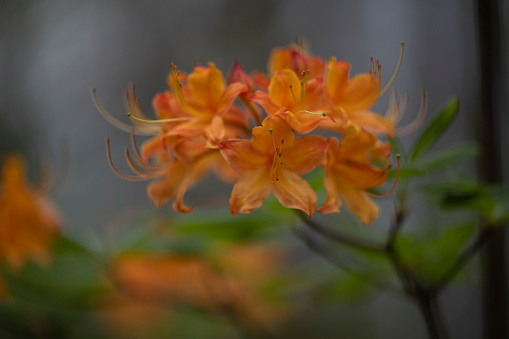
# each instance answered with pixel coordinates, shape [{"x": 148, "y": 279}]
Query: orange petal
[
  {"x": 357, "y": 201},
  {"x": 250, "y": 191},
  {"x": 294, "y": 192},
  {"x": 306, "y": 153},
  {"x": 215, "y": 132},
  {"x": 279, "y": 89},
  {"x": 241, "y": 156},
  {"x": 361, "y": 93},
  {"x": 336, "y": 79},
  {"x": 262, "y": 99},
  {"x": 161, "y": 191},
  {"x": 206, "y": 85},
  {"x": 263, "y": 140},
  {"x": 372, "y": 122},
  {"x": 229, "y": 96},
  {"x": 195, "y": 173},
  {"x": 332, "y": 202}
]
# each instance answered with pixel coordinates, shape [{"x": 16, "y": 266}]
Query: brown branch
[{"x": 339, "y": 236}]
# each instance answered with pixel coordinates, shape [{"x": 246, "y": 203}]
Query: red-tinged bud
[{"x": 237, "y": 74}]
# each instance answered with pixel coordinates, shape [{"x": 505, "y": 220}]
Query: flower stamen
[
  {"x": 419, "y": 119},
  {"x": 276, "y": 161},
  {"x": 158, "y": 121},
  {"x": 400, "y": 59},
  {"x": 117, "y": 172},
  {"x": 381, "y": 195},
  {"x": 293, "y": 95}
]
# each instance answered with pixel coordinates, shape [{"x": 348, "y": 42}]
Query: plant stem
[
  {"x": 467, "y": 254},
  {"x": 429, "y": 310},
  {"x": 340, "y": 237}
]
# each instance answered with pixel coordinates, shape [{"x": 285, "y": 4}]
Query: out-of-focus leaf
[
  {"x": 500, "y": 212},
  {"x": 461, "y": 194},
  {"x": 72, "y": 277},
  {"x": 436, "y": 128},
  {"x": 345, "y": 288},
  {"x": 219, "y": 224},
  {"x": 431, "y": 257},
  {"x": 440, "y": 160}
]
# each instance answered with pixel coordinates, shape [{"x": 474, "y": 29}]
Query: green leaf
[
  {"x": 345, "y": 288},
  {"x": 500, "y": 212},
  {"x": 436, "y": 128},
  {"x": 219, "y": 224},
  {"x": 442, "y": 159}
]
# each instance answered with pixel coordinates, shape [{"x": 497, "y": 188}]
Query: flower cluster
[{"x": 258, "y": 132}]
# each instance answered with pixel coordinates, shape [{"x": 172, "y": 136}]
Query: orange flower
[
  {"x": 28, "y": 224},
  {"x": 206, "y": 98},
  {"x": 272, "y": 162},
  {"x": 300, "y": 101},
  {"x": 349, "y": 172},
  {"x": 354, "y": 97},
  {"x": 230, "y": 281},
  {"x": 293, "y": 57}
]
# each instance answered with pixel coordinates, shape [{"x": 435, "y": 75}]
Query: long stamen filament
[
  {"x": 398, "y": 156},
  {"x": 131, "y": 164},
  {"x": 116, "y": 171},
  {"x": 323, "y": 114},
  {"x": 419, "y": 119},
  {"x": 107, "y": 115},
  {"x": 389, "y": 84},
  {"x": 158, "y": 121},
  {"x": 303, "y": 87},
  {"x": 293, "y": 94},
  {"x": 275, "y": 160}
]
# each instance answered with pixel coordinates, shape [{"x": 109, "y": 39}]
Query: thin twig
[
  {"x": 461, "y": 261},
  {"x": 328, "y": 255},
  {"x": 341, "y": 237}
]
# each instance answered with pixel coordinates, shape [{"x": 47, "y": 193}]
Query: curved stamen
[
  {"x": 419, "y": 119},
  {"x": 137, "y": 155},
  {"x": 389, "y": 84},
  {"x": 132, "y": 166},
  {"x": 158, "y": 121},
  {"x": 381, "y": 195},
  {"x": 107, "y": 115},
  {"x": 116, "y": 171}
]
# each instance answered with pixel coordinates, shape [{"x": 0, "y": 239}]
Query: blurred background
[{"x": 53, "y": 52}]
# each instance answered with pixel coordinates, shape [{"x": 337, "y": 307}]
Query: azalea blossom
[
  {"x": 272, "y": 161},
  {"x": 349, "y": 172}
]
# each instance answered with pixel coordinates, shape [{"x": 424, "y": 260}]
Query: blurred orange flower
[
  {"x": 28, "y": 223},
  {"x": 232, "y": 281}
]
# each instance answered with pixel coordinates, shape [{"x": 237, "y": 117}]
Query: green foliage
[
  {"x": 432, "y": 256},
  {"x": 342, "y": 288},
  {"x": 219, "y": 224},
  {"x": 435, "y": 129},
  {"x": 443, "y": 159}
]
